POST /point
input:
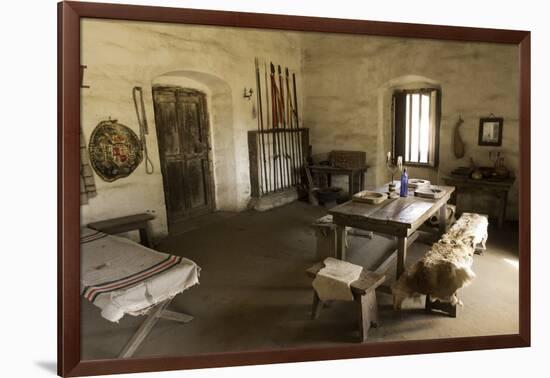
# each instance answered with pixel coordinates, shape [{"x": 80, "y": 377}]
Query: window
[{"x": 415, "y": 132}]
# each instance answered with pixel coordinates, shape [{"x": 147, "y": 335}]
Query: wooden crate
[{"x": 348, "y": 159}]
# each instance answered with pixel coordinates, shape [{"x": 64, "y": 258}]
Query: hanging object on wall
[
  {"x": 490, "y": 131},
  {"x": 458, "y": 144},
  {"x": 247, "y": 93},
  {"x": 263, "y": 168},
  {"x": 143, "y": 127},
  {"x": 87, "y": 182},
  {"x": 115, "y": 150},
  {"x": 275, "y": 148},
  {"x": 82, "y": 68}
]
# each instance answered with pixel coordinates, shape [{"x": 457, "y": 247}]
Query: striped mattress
[{"x": 123, "y": 277}]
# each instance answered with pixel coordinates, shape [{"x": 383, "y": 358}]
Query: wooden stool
[
  {"x": 364, "y": 293},
  {"x": 446, "y": 307},
  {"x": 124, "y": 224},
  {"x": 325, "y": 232}
]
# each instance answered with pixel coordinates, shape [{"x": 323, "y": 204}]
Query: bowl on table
[
  {"x": 369, "y": 196},
  {"x": 418, "y": 183},
  {"x": 429, "y": 192}
]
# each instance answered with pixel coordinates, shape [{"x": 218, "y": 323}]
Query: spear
[
  {"x": 261, "y": 125},
  {"x": 300, "y": 142},
  {"x": 290, "y": 110},
  {"x": 283, "y": 118},
  {"x": 275, "y": 116},
  {"x": 269, "y": 145}
]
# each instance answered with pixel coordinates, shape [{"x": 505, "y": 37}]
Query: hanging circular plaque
[{"x": 115, "y": 150}]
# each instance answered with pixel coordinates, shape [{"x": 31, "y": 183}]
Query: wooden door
[{"x": 182, "y": 130}]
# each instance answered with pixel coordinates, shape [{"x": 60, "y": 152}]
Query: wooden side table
[
  {"x": 498, "y": 188},
  {"x": 128, "y": 223},
  {"x": 352, "y": 174}
]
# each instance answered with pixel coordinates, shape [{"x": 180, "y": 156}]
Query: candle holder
[{"x": 393, "y": 167}]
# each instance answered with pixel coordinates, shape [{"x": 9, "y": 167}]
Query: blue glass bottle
[{"x": 404, "y": 191}]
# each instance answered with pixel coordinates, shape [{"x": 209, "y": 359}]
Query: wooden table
[
  {"x": 499, "y": 188},
  {"x": 352, "y": 173},
  {"x": 400, "y": 217},
  {"x": 124, "y": 224}
]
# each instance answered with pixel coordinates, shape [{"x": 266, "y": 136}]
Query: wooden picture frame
[
  {"x": 69, "y": 81},
  {"x": 490, "y": 131}
]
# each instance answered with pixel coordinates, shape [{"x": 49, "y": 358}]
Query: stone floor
[{"x": 254, "y": 293}]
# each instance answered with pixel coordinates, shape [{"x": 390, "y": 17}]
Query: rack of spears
[{"x": 278, "y": 148}]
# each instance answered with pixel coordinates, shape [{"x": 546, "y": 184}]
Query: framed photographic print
[
  {"x": 226, "y": 192},
  {"x": 490, "y": 131}
]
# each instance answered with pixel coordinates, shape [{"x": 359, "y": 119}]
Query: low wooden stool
[
  {"x": 325, "y": 232},
  {"x": 124, "y": 224},
  {"x": 364, "y": 293}
]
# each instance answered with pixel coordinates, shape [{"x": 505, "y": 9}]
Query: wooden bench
[
  {"x": 471, "y": 224},
  {"x": 446, "y": 267},
  {"x": 128, "y": 223},
  {"x": 364, "y": 293},
  {"x": 445, "y": 307}
]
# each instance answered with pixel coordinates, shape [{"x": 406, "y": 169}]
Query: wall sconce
[{"x": 247, "y": 93}]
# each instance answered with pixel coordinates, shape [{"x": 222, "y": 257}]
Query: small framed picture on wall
[{"x": 490, "y": 131}]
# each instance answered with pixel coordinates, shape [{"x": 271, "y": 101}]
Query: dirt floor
[{"x": 254, "y": 293}]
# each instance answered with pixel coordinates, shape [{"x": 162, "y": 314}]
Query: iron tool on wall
[{"x": 143, "y": 127}]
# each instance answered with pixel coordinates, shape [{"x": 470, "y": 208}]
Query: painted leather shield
[{"x": 115, "y": 150}]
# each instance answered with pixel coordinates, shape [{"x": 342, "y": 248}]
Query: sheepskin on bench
[
  {"x": 470, "y": 225},
  {"x": 447, "y": 267}
]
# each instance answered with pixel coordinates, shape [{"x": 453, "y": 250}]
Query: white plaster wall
[
  {"x": 219, "y": 61},
  {"x": 346, "y": 98},
  {"x": 344, "y": 87}
]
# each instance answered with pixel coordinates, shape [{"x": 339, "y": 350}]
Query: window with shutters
[{"x": 415, "y": 132}]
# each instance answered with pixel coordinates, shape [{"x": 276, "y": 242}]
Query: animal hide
[
  {"x": 443, "y": 271},
  {"x": 447, "y": 267},
  {"x": 469, "y": 226}
]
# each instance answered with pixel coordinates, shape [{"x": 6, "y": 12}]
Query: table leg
[
  {"x": 350, "y": 183},
  {"x": 502, "y": 212},
  {"x": 316, "y": 306},
  {"x": 442, "y": 219},
  {"x": 401, "y": 255},
  {"x": 145, "y": 237},
  {"x": 329, "y": 180},
  {"x": 362, "y": 183},
  {"x": 341, "y": 242},
  {"x": 454, "y": 197}
]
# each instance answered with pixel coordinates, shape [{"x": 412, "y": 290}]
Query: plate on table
[
  {"x": 418, "y": 183},
  {"x": 369, "y": 196},
  {"x": 429, "y": 192}
]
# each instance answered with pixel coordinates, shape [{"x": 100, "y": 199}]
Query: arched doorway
[
  {"x": 183, "y": 134},
  {"x": 206, "y": 98}
]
